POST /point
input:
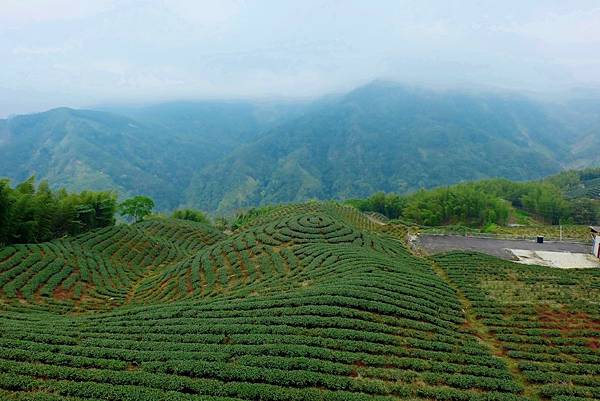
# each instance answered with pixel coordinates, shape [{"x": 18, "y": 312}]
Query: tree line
[
  {"x": 30, "y": 213},
  {"x": 36, "y": 214},
  {"x": 483, "y": 202}
]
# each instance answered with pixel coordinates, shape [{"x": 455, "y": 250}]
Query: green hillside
[
  {"x": 589, "y": 189},
  {"x": 545, "y": 322},
  {"x": 583, "y": 183},
  {"x": 385, "y": 137},
  {"x": 302, "y": 302},
  {"x": 581, "y": 114},
  {"x": 81, "y": 149},
  {"x": 152, "y": 151},
  {"x": 227, "y": 123},
  {"x": 219, "y": 156}
]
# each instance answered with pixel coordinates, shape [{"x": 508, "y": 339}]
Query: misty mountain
[
  {"x": 82, "y": 149},
  {"x": 386, "y": 137},
  {"x": 583, "y": 116},
  {"x": 219, "y": 156},
  {"x": 225, "y": 123},
  {"x": 155, "y": 154}
]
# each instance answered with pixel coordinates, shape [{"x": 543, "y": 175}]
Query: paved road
[{"x": 496, "y": 247}]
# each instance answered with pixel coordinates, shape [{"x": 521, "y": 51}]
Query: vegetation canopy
[
  {"x": 36, "y": 214},
  {"x": 229, "y": 155},
  {"x": 300, "y": 302},
  {"x": 136, "y": 208},
  {"x": 486, "y": 202},
  {"x": 191, "y": 215}
]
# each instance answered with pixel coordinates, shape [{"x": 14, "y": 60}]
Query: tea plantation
[
  {"x": 306, "y": 302},
  {"x": 544, "y": 322}
]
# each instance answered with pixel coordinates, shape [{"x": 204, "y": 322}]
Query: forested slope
[
  {"x": 155, "y": 153},
  {"x": 81, "y": 149},
  {"x": 384, "y": 137},
  {"x": 223, "y": 155}
]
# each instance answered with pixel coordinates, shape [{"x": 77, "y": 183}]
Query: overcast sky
[{"x": 81, "y": 53}]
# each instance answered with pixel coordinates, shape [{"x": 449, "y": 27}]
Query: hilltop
[
  {"x": 154, "y": 153},
  {"x": 578, "y": 183},
  {"x": 219, "y": 156},
  {"x": 309, "y": 301},
  {"x": 385, "y": 137}
]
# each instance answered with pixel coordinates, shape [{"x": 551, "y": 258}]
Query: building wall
[{"x": 596, "y": 248}]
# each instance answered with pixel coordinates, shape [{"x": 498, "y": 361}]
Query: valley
[{"x": 221, "y": 156}]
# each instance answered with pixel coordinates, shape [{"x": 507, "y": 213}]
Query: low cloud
[{"x": 115, "y": 50}]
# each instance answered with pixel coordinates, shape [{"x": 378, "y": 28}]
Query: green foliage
[
  {"x": 390, "y": 205},
  {"x": 458, "y": 204},
  {"x": 584, "y": 211},
  {"x": 248, "y": 216},
  {"x": 481, "y": 203},
  {"x": 221, "y": 223},
  {"x": 302, "y": 302},
  {"x": 582, "y": 189},
  {"x": 30, "y": 214},
  {"x": 191, "y": 215},
  {"x": 545, "y": 319},
  {"x": 578, "y": 183},
  {"x": 136, "y": 208}
]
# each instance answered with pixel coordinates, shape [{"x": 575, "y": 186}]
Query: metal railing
[{"x": 442, "y": 232}]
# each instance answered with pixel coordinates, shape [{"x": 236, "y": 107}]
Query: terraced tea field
[
  {"x": 308, "y": 302},
  {"x": 545, "y": 322},
  {"x": 589, "y": 189}
]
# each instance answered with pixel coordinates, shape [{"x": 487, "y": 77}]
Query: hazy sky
[{"x": 83, "y": 52}]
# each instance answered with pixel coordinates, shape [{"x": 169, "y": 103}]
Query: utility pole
[{"x": 560, "y": 228}]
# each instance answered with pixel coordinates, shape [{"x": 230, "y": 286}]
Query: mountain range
[{"x": 223, "y": 155}]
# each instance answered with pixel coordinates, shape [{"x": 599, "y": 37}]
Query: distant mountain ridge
[
  {"x": 83, "y": 149},
  {"x": 153, "y": 154},
  {"x": 220, "y": 156},
  {"x": 385, "y": 137}
]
